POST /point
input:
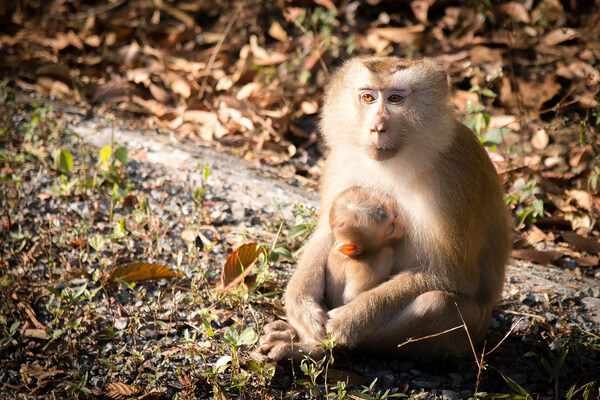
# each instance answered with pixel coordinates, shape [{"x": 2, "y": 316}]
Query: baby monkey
[{"x": 366, "y": 225}]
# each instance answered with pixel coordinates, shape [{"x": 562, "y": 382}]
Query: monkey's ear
[{"x": 349, "y": 249}]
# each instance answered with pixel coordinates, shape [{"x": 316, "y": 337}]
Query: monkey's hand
[
  {"x": 372, "y": 309},
  {"x": 280, "y": 342},
  {"x": 343, "y": 326},
  {"x": 309, "y": 318},
  {"x": 277, "y": 343}
]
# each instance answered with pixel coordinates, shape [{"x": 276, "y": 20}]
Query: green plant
[
  {"x": 200, "y": 191},
  {"x": 8, "y": 337},
  {"x": 369, "y": 393},
  {"x": 523, "y": 197},
  {"x": 519, "y": 392},
  {"x": 304, "y": 224},
  {"x": 585, "y": 391},
  {"x": 478, "y": 119},
  {"x": 312, "y": 369}
]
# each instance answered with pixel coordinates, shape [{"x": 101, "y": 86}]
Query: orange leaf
[
  {"x": 239, "y": 264},
  {"x": 142, "y": 271}
]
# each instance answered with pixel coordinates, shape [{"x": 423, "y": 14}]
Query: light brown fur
[
  {"x": 370, "y": 224},
  {"x": 457, "y": 241}
]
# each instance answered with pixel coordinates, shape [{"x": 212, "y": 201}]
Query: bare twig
[
  {"x": 187, "y": 20},
  {"x": 534, "y": 316},
  {"x": 215, "y": 52},
  {"x": 478, "y": 362},
  {"x": 418, "y": 339},
  {"x": 468, "y": 334},
  {"x": 512, "y": 328}
]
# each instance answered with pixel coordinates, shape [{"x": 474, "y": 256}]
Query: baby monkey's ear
[{"x": 349, "y": 249}]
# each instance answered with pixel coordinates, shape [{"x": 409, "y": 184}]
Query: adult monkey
[{"x": 389, "y": 127}]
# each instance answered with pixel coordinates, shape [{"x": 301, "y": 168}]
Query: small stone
[
  {"x": 592, "y": 305},
  {"x": 121, "y": 323},
  {"x": 426, "y": 383},
  {"x": 450, "y": 395}
]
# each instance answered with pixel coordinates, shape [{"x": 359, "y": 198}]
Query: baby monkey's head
[{"x": 364, "y": 221}]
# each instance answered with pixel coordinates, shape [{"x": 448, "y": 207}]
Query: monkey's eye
[
  {"x": 367, "y": 97},
  {"x": 395, "y": 98}
]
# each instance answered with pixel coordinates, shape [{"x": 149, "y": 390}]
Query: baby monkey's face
[{"x": 367, "y": 227}]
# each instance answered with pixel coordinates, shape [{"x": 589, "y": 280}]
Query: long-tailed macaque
[
  {"x": 390, "y": 128},
  {"x": 365, "y": 226}
]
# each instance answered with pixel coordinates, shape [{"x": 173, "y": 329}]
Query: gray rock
[{"x": 450, "y": 395}]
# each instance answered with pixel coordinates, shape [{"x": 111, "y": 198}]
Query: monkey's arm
[
  {"x": 306, "y": 289},
  {"x": 352, "y": 322}
]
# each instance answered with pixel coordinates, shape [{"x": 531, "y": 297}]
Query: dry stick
[
  {"x": 215, "y": 52},
  {"x": 478, "y": 362},
  {"x": 412, "y": 340},
  {"x": 512, "y": 328},
  {"x": 534, "y": 316}
]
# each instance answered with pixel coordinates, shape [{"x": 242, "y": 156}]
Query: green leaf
[
  {"x": 97, "y": 242},
  {"x": 221, "y": 364},
  {"x": 13, "y": 328},
  {"x": 493, "y": 137},
  {"x": 63, "y": 160},
  {"x": 248, "y": 337},
  {"x": 206, "y": 172},
  {"x": 104, "y": 154},
  {"x": 119, "y": 230},
  {"x": 488, "y": 93},
  {"x": 121, "y": 154},
  {"x": 518, "y": 389}
]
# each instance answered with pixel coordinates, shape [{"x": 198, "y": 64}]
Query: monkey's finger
[
  {"x": 259, "y": 356},
  {"x": 281, "y": 351},
  {"x": 276, "y": 326},
  {"x": 265, "y": 346},
  {"x": 283, "y": 336}
]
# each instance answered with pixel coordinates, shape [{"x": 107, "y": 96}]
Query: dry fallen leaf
[
  {"x": 536, "y": 256},
  {"x": 582, "y": 244},
  {"x": 582, "y": 198},
  {"x": 406, "y": 35},
  {"x": 516, "y": 11},
  {"x": 36, "y": 334},
  {"x": 535, "y": 235},
  {"x": 239, "y": 264},
  {"x": 540, "y": 139},
  {"x": 558, "y": 36},
  {"x": 142, "y": 271},
  {"x": 119, "y": 391},
  {"x": 420, "y": 8},
  {"x": 181, "y": 87},
  {"x": 276, "y": 31},
  {"x": 534, "y": 94}
]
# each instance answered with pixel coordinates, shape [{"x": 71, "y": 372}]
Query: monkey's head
[
  {"x": 364, "y": 221},
  {"x": 387, "y": 106}
]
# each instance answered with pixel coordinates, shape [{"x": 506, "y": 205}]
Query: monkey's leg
[{"x": 431, "y": 313}]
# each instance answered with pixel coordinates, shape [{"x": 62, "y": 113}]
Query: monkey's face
[
  {"x": 366, "y": 233},
  {"x": 383, "y": 106},
  {"x": 380, "y": 111}
]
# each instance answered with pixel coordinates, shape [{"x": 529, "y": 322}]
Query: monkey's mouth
[{"x": 382, "y": 154}]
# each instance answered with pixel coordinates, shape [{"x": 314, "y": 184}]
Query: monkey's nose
[{"x": 378, "y": 128}]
